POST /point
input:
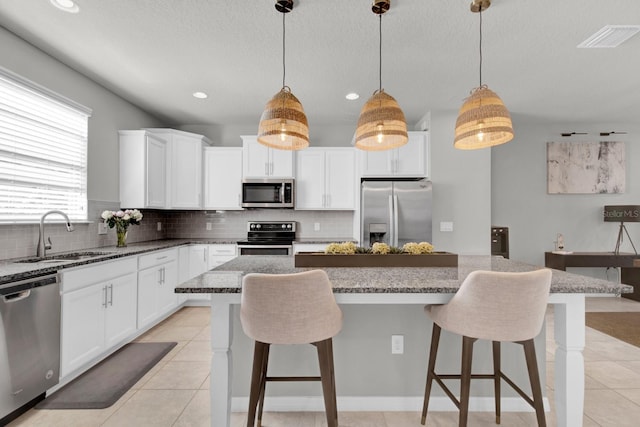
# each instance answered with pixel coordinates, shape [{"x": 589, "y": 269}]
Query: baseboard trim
[{"x": 382, "y": 403}]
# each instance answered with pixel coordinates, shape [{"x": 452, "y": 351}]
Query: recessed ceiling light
[
  {"x": 352, "y": 96},
  {"x": 200, "y": 95},
  {"x": 66, "y": 5},
  {"x": 610, "y": 36}
]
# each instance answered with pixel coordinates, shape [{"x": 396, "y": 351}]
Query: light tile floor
[{"x": 161, "y": 398}]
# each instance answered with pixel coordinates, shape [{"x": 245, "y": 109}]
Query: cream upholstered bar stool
[
  {"x": 493, "y": 306},
  {"x": 294, "y": 308}
]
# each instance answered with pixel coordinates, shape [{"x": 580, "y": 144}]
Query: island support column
[
  {"x": 569, "y": 332},
  {"x": 221, "y": 363}
]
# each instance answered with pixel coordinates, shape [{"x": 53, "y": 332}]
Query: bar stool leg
[
  {"x": 260, "y": 353},
  {"x": 465, "y": 379},
  {"x": 534, "y": 378},
  {"x": 263, "y": 381},
  {"x": 324, "y": 360},
  {"x": 497, "y": 377},
  {"x": 431, "y": 365}
]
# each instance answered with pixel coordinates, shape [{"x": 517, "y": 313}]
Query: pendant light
[
  {"x": 483, "y": 120},
  {"x": 381, "y": 125},
  {"x": 283, "y": 124}
]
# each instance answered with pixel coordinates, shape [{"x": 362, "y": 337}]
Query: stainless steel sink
[{"x": 73, "y": 256}]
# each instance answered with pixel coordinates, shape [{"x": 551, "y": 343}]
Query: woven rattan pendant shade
[
  {"x": 381, "y": 125},
  {"x": 483, "y": 121},
  {"x": 283, "y": 124}
]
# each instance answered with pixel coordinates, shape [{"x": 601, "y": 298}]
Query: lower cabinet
[
  {"x": 157, "y": 280},
  {"x": 96, "y": 315}
]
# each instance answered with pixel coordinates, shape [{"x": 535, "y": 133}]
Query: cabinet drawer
[
  {"x": 215, "y": 250},
  {"x": 157, "y": 257},
  {"x": 81, "y": 277}
]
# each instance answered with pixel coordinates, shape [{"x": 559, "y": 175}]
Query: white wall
[
  {"x": 520, "y": 200},
  {"x": 110, "y": 112}
]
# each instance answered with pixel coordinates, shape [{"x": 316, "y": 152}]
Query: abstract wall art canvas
[{"x": 585, "y": 167}]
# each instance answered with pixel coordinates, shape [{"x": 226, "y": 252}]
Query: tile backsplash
[{"x": 20, "y": 240}]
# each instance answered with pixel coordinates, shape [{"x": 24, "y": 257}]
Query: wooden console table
[{"x": 628, "y": 263}]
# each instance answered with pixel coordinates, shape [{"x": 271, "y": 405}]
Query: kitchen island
[{"x": 404, "y": 287}]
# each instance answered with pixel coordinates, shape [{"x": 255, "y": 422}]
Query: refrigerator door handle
[
  {"x": 391, "y": 216},
  {"x": 395, "y": 220}
]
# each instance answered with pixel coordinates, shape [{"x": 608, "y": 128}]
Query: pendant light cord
[
  {"x": 480, "y": 48},
  {"x": 380, "y": 57},
  {"x": 284, "y": 67}
]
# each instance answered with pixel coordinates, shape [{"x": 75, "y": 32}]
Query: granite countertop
[
  {"x": 12, "y": 270},
  {"x": 227, "y": 278}
]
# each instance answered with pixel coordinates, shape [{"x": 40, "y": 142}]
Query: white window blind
[{"x": 43, "y": 152}]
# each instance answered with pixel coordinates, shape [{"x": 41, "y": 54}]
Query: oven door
[{"x": 265, "y": 250}]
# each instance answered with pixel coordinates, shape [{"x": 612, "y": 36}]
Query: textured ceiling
[{"x": 156, "y": 53}]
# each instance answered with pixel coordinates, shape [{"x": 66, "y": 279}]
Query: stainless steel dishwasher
[{"x": 29, "y": 340}]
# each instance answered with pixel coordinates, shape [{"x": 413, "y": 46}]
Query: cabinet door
[
  {"x": 411, "y": 157},
  {"x": 156, "y": 152},
  {"x": 83, "y": 314},
  {"x": 255, "y": 158},
  {"x": 376, "y": 163},
  {"x": 167, "y": 297},
  {"x": 148, "y": 282},
  {"x": 281, "y": 163},
  {"x": 219, "y": 254},
  {"x": 310, "y": 179},
  {"x": 120, "y": 314},
  {"x": 185, "y": 181},
  {"x": 197, "y": 260},
  {"x": 222, "y": 178},
  {"x": 340, "y": 179}
]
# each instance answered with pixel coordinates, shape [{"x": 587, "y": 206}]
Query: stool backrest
[
  {"x": 497, "y": 306},
  {"x": 294, "y": 308}
]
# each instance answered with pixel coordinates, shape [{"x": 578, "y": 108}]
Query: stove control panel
[{"x": 271, "y": 226}]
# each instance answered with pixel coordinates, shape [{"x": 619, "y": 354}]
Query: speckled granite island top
[{"x": 227, "y": 278}]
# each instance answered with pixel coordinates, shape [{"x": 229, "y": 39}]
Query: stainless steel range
[{"x": 268, "y": 238}]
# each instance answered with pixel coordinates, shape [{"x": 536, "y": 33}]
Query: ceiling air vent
[{"x": 610, "y": 36}]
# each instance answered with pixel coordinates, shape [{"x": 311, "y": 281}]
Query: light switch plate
[
  {"x": 159, "y": 226},
  {"x": 446, "y": 226},
  {"x": 102, "y": 228}
]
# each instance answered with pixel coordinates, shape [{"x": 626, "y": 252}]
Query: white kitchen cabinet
[
  {"x": 143, "y": 180},
  {"x": 184, "y": 167},
  {"x": 98, "y": 311},
  {"x": 325, "y": 179},
  {"x": 198, "y": 260},
  {"x": 261, "y": 161},
  {"x": 410, "y": 160},
  {"x": 223, "y": 178},
  {"x": 157, "y": 279},
  {"x": 220, "y": 253}
]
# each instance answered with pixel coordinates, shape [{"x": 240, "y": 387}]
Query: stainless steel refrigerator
[{"x": 395, "y": 212}]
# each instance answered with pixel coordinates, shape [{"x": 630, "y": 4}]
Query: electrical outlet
[
  {"x": 446, "y": 226},
  {"x": 397, "y": 344},
  {"x": 102, "y": 228},
  {"x": 208, "y": 226},
  {"x": 316, "y": 226},
  {"x": 159, "y": 226}
]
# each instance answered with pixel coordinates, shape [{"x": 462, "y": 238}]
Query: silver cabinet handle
[
  {"x": 104, "y": 296},
  {"x": 111, "y": 294},
  {"x": 161, "y": 257},
  {"x": 163, "y": 275},
  {"x": 159, "y": 276}
]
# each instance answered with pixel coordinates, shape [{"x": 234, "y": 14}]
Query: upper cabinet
[
  {"x": 143, "y": 170},
  {"x": 410, "y": 160},
  {"x": 261, "y": 161},
  {"x": 184, "y": 167},
  {"x": 161, "y": 169},
  {"x": 325, "y": 178},
  {"x": 223, "y": 178}
]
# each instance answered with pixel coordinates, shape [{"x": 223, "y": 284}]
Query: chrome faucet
[{"x": 42, "y": 246}]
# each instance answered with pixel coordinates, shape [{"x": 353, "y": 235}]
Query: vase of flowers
[{"x": 121, "y": 221}]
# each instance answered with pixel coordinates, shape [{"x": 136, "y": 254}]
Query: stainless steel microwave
[{"x": 267, "y": 193}]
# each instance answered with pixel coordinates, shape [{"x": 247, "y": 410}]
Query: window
[{"x": 43, "y": 152}]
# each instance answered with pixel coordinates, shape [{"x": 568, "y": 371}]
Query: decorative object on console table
[
  {"x": 622, "y": 214},
  {"x": 121, "y": 221}
]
